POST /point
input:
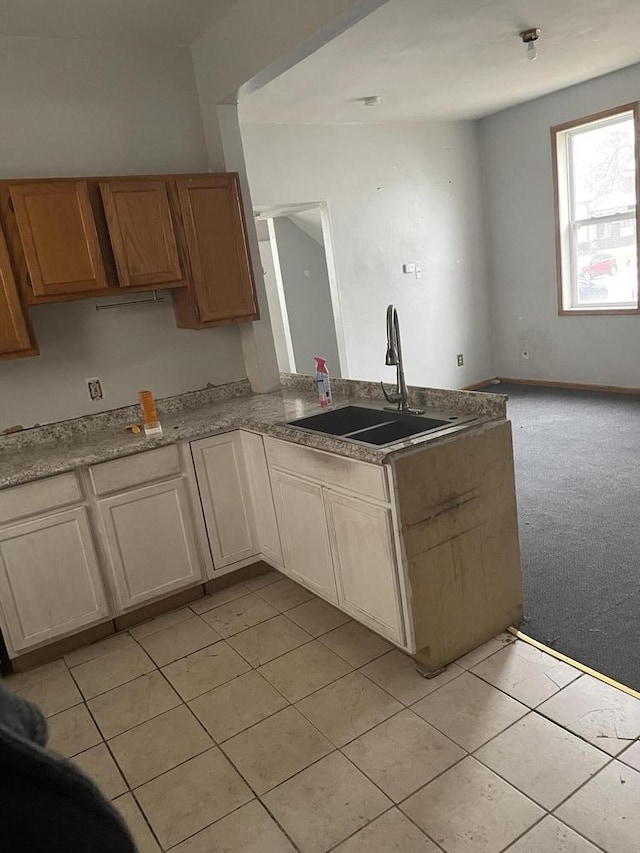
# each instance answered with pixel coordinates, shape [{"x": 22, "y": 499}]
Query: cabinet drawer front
[
  {"x": 360, "y": 477},
  {"x": 38, "y": 497},
  {"x": 151, "y": 543},
  {"x": 130, "y": 471},
  {"x": 50, "y": 583}
]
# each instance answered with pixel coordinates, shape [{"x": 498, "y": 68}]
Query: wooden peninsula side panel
[{"x": 458, "y": 523}]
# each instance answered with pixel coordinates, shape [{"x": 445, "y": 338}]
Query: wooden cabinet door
[
  {"x": 303, "y": 532},
  {"x": 14, "y": 335},
  {"x": 142, "y": 232},
  {"x": 222, "y": 285},
  {"x": 50, "y": 583},
  {"x": 364, "y": 556},
  {"x": 59, "y": 237},
  {"x": 226, "y": 500},
  {"x": 262, "y": 498},
  {"x": 150, "y": 542}
]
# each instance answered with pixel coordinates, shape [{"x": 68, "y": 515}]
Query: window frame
[{"x": 562, "y": 220}]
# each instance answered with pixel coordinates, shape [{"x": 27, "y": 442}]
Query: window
[{"x": 596, "y": 191}]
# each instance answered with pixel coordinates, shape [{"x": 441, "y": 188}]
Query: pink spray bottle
[{"x": 322, "y": 382}]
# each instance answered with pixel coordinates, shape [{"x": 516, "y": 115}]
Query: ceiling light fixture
[
  {"x": 530, "y": 37},
  {"x": 371, "y": 100}
]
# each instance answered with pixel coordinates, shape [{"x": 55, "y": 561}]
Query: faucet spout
[{"x": 393, "y": 357}]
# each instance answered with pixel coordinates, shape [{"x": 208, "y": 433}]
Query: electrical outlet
[
  {"x": 460, "y": 359},
  {"x": 94, "y": 387},
  {"x": 525, "y": 353},
  {"x": 418, "y": 271}
]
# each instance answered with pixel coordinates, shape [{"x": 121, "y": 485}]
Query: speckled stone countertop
[{"x": 53, "y": 449}]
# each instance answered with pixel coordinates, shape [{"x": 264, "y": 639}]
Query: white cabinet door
[
  {"x": 150, "y": 542},
  {"x": 364, "y": 556},
  {"x": 303, "y": 532},
  {"x": 262, "y": 498},
  {"x": 226, "y": 501},
  {"x": 50, "y": 583}
]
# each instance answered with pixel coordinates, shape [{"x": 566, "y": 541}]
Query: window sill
[{"x": 600, "y": 311}]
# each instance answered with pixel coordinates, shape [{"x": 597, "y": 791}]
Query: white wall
[
  {"x": 90, "y": 108},
  {"x": 395, "y": 193},
  {"x": 516, "y": 161},
  {"x": 305, "y": 280}
]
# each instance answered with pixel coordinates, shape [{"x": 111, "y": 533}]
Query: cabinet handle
[
  {"x": 11, "y": 207},
  {"x": 29, "y": 282}
]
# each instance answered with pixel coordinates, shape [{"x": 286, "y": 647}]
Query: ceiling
[
  {"x": 450, "y": 59},
  {"x": 177, "y": 22}
]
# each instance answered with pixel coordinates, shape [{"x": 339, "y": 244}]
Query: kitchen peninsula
[{"x": 417, "y": 539}]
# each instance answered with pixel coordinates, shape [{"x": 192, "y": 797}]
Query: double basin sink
[{"x": 375, "y": 427}]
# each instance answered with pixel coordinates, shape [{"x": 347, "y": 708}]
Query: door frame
[{"x": 270, "y": 211}]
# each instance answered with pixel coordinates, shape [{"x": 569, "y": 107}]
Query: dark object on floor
[
  {"x": 577, "y": 460},
  {"x": 46, "y": 804}
]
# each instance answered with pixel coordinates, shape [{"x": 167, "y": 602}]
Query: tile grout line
[
  {"x": 381, "y": 815},
  {"x": 115, "y": 686},
  {"x": 579, "y": 833},
  {"x": 547, "y": 812},
  {"x": 126, "y": 781},
  {"x": 538, "y": 822},
  {"x": 256, "y": 796},
  {"x": 410, "y": 819},
  {"x": 218, "y": 745},
  {"x": 394, "y": 804},
  {"x": 535, "y": 710},
  {"x": 340, "y": 749},
  {"x": 410, "y": 707}
]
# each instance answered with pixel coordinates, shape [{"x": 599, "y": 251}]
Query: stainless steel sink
[{"x": 374, "y": 426}]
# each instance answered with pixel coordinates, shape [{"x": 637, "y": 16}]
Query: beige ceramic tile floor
[{"x": 262, "y": 720}]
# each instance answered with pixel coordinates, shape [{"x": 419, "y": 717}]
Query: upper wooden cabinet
[
  {"x": 14, "y": 331},
  {"x": 142, "y": 232},
  {"x": 73, "y": 238},
  {"x": 58, "y": 236},
  {"x": 221, "y": 288}
]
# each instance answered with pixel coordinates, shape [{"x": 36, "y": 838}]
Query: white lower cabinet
[
  {"x": 50, "y": 583},
  {"x": 303, "y": 531},
  {"x": 364, "y": 557},
  {"x": 324, "y": 520},
  {"x": 226, "y": 500},
  {"x": 150, "y": 542},
  {"x": 262, "y": 498},
  {"x": 337, "y": 532}
]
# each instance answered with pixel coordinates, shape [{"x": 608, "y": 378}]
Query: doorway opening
[{"x": 299, "y": 274}]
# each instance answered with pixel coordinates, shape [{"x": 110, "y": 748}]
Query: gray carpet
[{"x": 577, "y": 459}]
